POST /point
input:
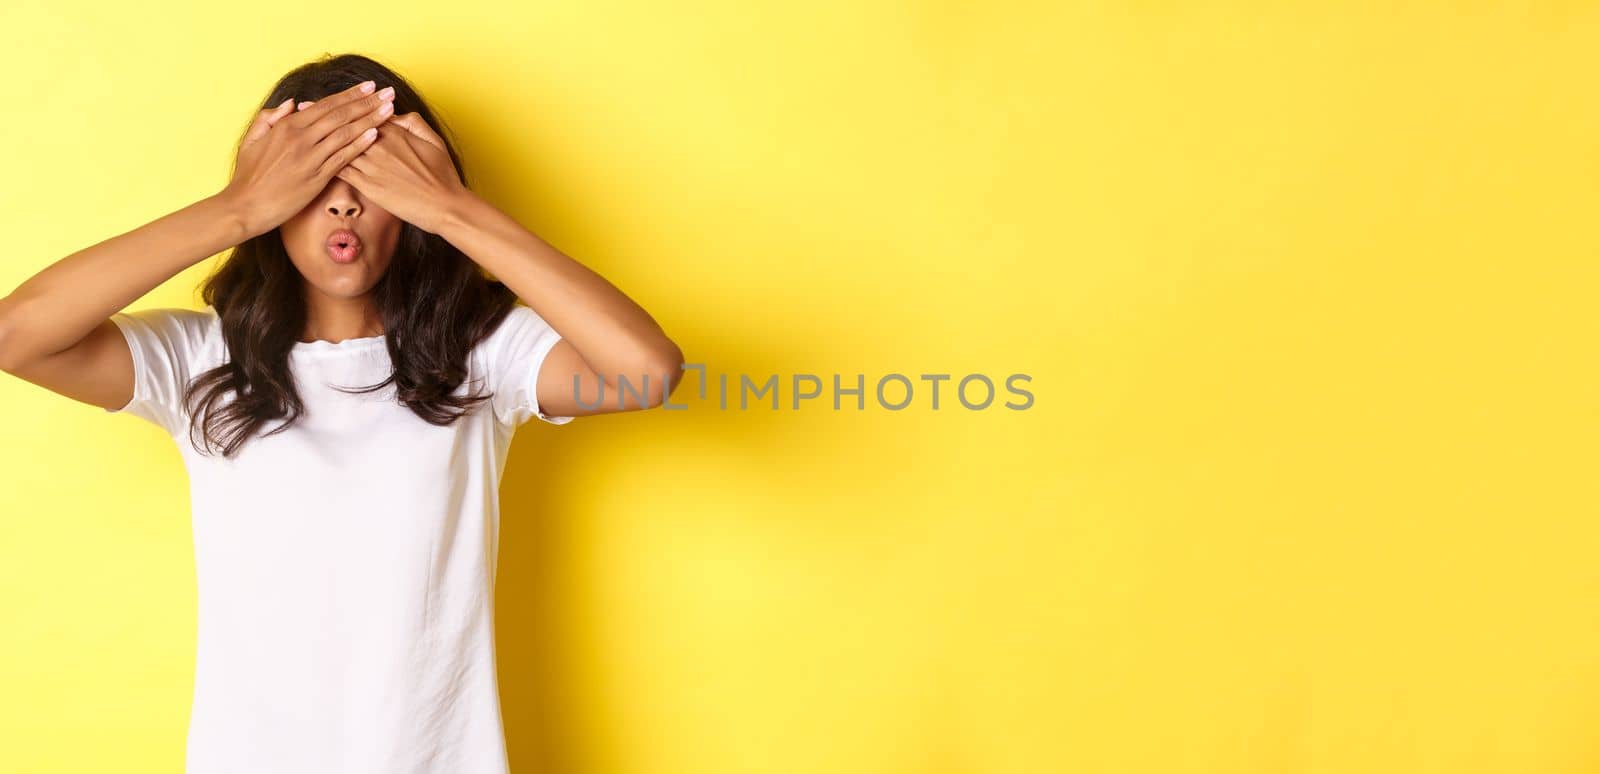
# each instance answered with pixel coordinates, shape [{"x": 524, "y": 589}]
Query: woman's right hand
[{"x": 288, "y": 157}]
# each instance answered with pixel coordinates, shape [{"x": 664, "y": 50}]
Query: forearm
[
  {"x": 58, "y": 306},
  {"x": 614, "y": 335}
]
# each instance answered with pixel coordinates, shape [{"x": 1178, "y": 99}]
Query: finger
[
  {"x": 369, "y": 160},
  {"x": 345, "y": 134},
  {"x": 349, "y": 152},
  {"x": 315, "y": 111},
  {"x": 265, "y": 119},
  {"x": 363, "y": 162},
  {"x": 413, "y": 123},
  {"x": 353, "y": 176},
  {"x": 284, "y": 108},
  {"x": 349, "y": 112}
]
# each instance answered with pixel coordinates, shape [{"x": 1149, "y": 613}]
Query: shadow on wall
[{"x": 546, "y": 492}]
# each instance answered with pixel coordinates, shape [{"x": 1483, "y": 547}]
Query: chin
[{"x": 351, "y": 280}]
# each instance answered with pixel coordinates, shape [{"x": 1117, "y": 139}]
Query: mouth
[{"x": 343, "y": 246}]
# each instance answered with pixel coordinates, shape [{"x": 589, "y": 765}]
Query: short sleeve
[
  {"x": 512, "y": 356},
  {"x": 169, "y": 347}
]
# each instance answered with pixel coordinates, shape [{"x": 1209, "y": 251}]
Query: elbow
[
  {"x": 648, "y": 379},
  {"x": 9, "y": 361},
  {"x": 664, "y": 368}
]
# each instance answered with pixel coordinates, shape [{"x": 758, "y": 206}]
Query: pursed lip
[{"x": 343, "y": 235}]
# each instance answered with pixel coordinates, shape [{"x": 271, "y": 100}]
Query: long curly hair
[{"x": 436, "y": 304}]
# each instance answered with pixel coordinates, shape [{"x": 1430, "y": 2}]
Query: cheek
[
  {"x": 294, "y": 229},
  {"x": 381, "y": 221},
  {"x": 389, "y": 231}
]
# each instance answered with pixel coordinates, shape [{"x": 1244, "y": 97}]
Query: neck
[{"x": 337, "y": 319}]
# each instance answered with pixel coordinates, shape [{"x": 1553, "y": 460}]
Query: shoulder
[
  {"x": 175, "y": 317},
  {"x": 520, "y": 315},
  {"x": 519, "y": 324},
  {"x": 193, "y": 334},
  {"x": 515, "y": 346}
]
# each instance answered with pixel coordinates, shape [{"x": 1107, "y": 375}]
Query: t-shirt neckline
[{"x": 322, "y": 345}]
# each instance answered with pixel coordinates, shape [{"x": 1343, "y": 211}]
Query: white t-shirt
[{"x": 345, "y": 566}]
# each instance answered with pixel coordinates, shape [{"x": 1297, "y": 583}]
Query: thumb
[
  {"x": 280, "y": 111},
  {"x": 413, "y": 123},
  {"x": 265, "y": 119}
]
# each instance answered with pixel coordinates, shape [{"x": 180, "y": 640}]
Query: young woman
[{"x": 344, "y": 404}]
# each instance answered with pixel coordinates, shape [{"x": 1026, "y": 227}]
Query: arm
[
  {"x": 604, "y": 334},
  {"x": 54, "y": 327}
]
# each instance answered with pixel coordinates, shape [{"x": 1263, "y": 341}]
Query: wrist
[
  {"x": 457, "y": 213},
  {"x": 238, "y": 212}
]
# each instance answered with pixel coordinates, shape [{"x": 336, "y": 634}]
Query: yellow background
[{"x": 1307, "y": 293}]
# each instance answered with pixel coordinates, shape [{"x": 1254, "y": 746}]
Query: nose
[{"x": 341, "y": 201}]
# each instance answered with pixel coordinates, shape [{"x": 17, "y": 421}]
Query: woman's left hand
[{"x": 407, "y": 171}]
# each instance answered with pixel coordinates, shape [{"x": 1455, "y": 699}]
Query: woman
[{"x": 344, "y": 404}]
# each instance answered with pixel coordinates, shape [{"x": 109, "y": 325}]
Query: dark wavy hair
[{"x": 436, "y": 304}]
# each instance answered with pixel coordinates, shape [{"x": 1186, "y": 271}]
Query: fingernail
[
  {"x": 386, "y": 108},
  {"x": 303, "y": 106},
  {"x": 367, "y": 87},
  {"x": 387, "y": 93},
  {"x": 370, "y": 133}
]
